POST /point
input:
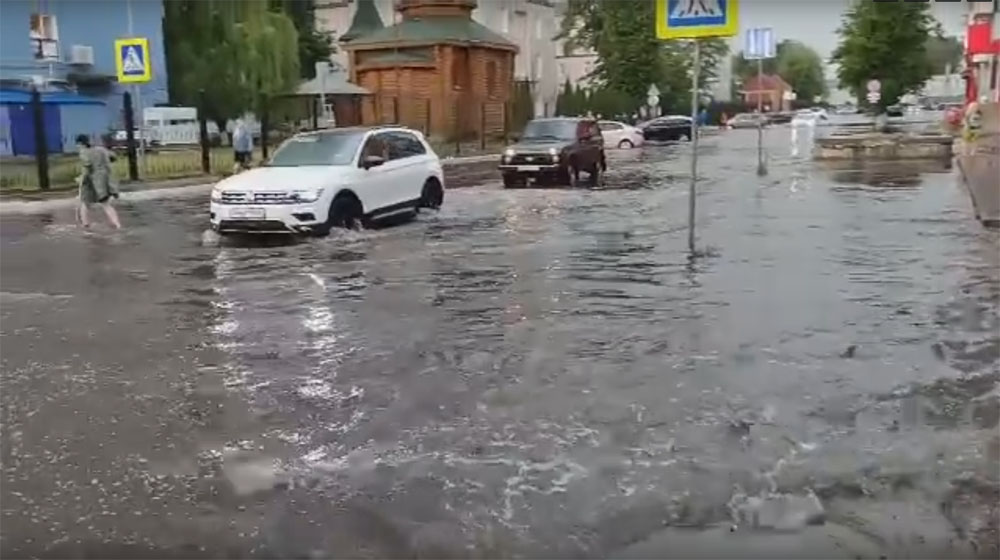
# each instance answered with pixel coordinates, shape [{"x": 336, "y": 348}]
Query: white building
[
  {"x": 531, "y": 24},
  {"x": 574, "y": 64}
]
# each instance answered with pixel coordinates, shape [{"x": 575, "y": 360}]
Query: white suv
[{"x": 342, "y": 177}]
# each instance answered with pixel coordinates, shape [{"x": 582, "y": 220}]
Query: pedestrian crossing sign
[
  {"x": 132, "y": 60},
  {"x": 691, "y": 19}
]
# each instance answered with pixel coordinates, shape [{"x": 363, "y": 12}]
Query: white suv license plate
[{"x": 248, "y": 213}]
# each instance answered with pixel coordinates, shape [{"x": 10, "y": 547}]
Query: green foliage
[
  {"x": 944, "y": 54},
  {"x": 574, "y": 102},
  {"x": 522, "y": 105},
  {"x": 796, "y": 63},
  {"x": 609, "y": 103},
  {"x": 237, "y": 51},
  {"x": 887, "y": 41},
  {"x": 314, "y": 45},
  {"x": 802, "y": 68},
  {"x": 566, "y": 100},
  {"x": 630, "y": 57}
]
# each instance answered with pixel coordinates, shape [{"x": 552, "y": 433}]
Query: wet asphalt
[{"x": 527, "y": 373}]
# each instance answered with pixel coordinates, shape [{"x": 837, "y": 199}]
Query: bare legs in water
[{"x": 109, "y": 212}]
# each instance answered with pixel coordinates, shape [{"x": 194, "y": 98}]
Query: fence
[
  {"x": 449, "y": 118},
  {"x": 48, "y": 164},
  {"x": 455, "y": 125}
]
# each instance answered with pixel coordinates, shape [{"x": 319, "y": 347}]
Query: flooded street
[{"x": 526, "y": 373}]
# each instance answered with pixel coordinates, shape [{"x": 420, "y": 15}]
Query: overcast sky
[{"x": 815, "y": 22}]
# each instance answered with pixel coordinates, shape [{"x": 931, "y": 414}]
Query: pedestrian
[
  {"x": 723, "y": 120},
  {"x": 242, "y": 147},
  {"x": 96, "y": 182},
  {"x": 703, "y": 117}
]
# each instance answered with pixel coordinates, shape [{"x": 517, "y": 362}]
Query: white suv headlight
[
  {"x": 306, "y": 195},
  {"x": 216, "y": 194}
]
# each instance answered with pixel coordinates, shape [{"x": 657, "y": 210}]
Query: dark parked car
[
  {"x": 555, "y": 150},
  {"x": 895, "y": 111},
  {"x": 783, "y": 117},
  {"x": 667, "y": 128}
]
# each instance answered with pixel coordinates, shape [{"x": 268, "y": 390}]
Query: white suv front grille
[{"x": 264, "y": 197}]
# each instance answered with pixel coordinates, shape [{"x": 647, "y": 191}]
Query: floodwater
[{"x": 529, "y": 373}]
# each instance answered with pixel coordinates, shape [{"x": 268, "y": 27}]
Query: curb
[{"x": 14, "y": 206}]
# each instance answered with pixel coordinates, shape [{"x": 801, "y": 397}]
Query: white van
[{"x": 174, "y": 125}]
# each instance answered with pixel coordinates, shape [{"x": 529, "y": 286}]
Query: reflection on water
[
  {"x": 887, "y": 174},
  {"x": 539, "y": 373}
]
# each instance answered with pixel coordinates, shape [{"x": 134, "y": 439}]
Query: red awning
[{"x": 979, "y": 39}]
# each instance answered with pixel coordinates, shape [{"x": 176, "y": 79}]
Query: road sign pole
[
  {"x": 141, "y": 125},
  {"x": 133, "y": 169},
  {"x": 695, "y": 132},
  {"x": 136, "y": 95},
  {"x": 761, "y": 166},
  {"x": 686, "y": 19}
]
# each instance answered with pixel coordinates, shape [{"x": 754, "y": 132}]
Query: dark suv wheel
[{"x": 597, "y": 172}]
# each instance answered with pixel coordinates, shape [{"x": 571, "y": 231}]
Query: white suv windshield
[{"x": 328, "y": 148}]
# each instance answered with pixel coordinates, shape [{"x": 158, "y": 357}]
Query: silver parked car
[{"x": 747, "y": 120}]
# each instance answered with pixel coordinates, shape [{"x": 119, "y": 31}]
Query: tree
[
  {"x": 944, "y": 54},
  {"x": 314, "y": 45},
  {"x": 802, "y": 68},
  {"x": 888, "y": 42},
  {"x": 795, "y": 62},
  {"x": 236, "y": 51},
  {"x": 565, "y": 103},
  {"x": 630, "y": 57}
]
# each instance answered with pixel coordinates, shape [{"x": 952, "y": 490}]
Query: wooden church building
[{"x": 436, "y": 70}]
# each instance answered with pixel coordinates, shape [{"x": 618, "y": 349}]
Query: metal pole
[
  {"x": 761, "y": 167},
  {"x": 41, "y": 143},
  {"x": 696, "y": 69},
  {"x": 206, "y": 163},
  {"x": 265, "y": 125},
  {"x": 133, "y": 168},
  {"x": 322, "y": 92},
  {"x": 137, "y": 96}
]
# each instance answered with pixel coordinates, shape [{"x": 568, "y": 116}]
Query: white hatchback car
[
  {"x": 341, "y": 177},
  {"x": 620, "y": 135}
]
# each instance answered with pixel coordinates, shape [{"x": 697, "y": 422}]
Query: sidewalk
[{"x": 174, "y": 188}]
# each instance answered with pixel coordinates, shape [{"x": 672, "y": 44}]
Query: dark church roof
[{"x": 366, "y": 20}]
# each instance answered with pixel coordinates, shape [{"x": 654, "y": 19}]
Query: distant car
[
  {"x": 783, "y": 117},
  {"x": 620, "y": 135},
  {"x": 667, "y": 128},
  {"x": 341, "y": 177},
  {"x": 809, "y": 117},
  {"x": 747, "y": 120},
  {"x": 555, "y": 149},
  {"x": 895, "y": 111}
]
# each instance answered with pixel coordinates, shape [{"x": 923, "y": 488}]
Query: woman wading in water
[{"x": 96, "y": 184}]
